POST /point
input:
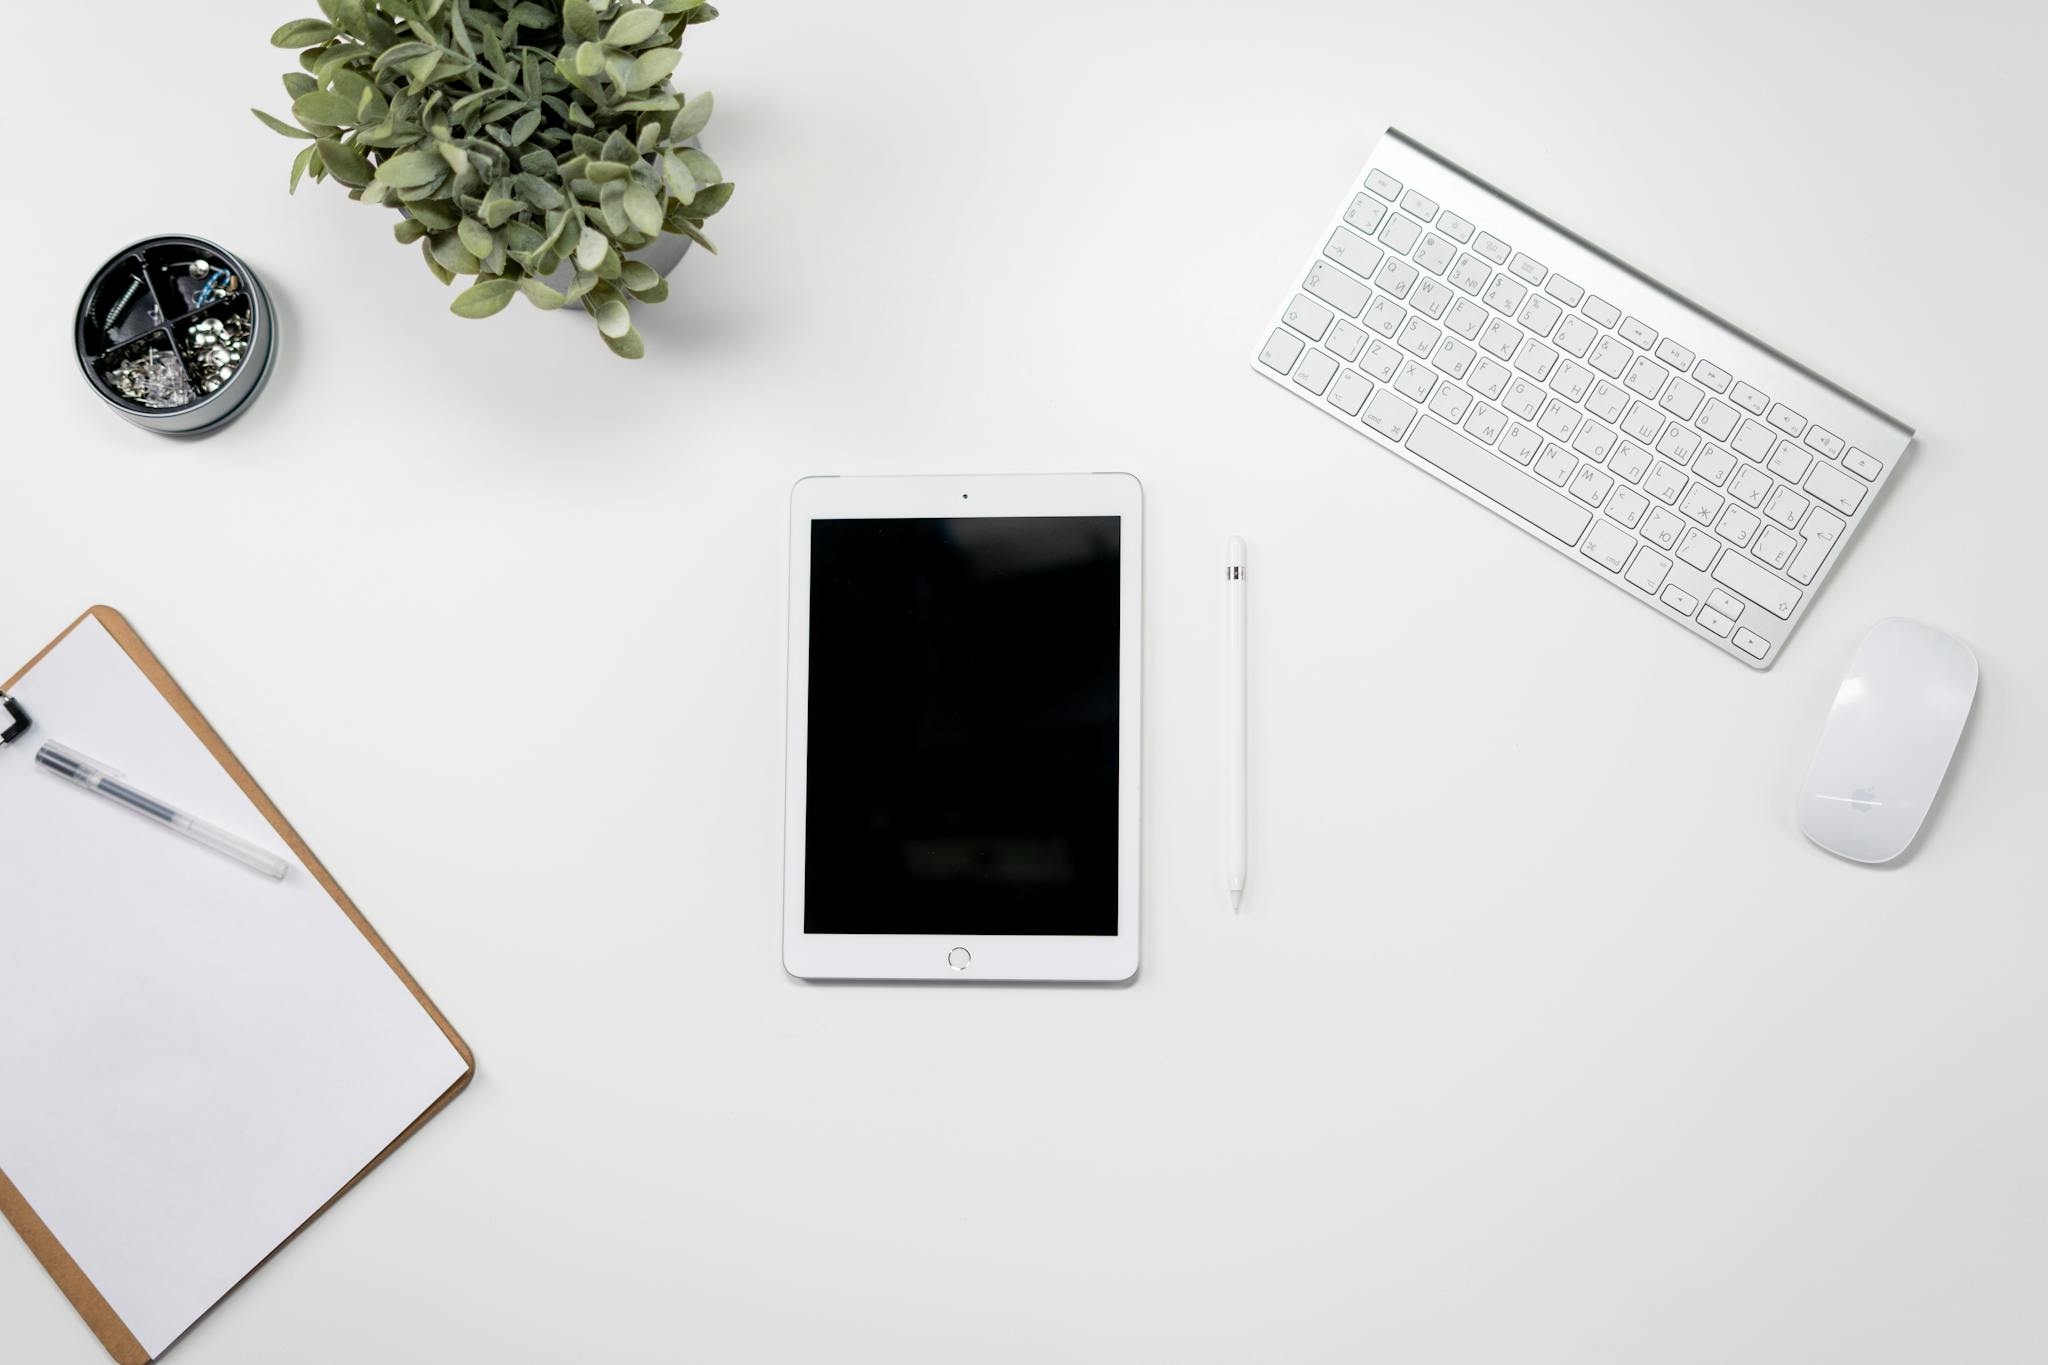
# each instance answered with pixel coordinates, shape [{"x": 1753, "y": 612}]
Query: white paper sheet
[{"x": 193, "y": 1058}]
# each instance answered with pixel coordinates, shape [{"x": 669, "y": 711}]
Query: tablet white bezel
[{"x": 993, "y": 957}]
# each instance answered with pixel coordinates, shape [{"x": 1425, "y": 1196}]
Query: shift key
[{"x": 1758, "y": 584}]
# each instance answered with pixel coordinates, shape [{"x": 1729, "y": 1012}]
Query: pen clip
[{"x": 13, "y": 720}]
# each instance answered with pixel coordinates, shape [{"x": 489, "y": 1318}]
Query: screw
[{"x": 121, "y": 304}]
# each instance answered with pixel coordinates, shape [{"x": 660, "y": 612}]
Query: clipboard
[{"x": 92, "y": 1305}]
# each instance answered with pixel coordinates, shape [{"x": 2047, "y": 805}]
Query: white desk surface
[{"x": 1544, "y": 1036}]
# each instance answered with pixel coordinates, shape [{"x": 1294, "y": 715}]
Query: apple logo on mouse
[{"x": 1863, "y": 798}]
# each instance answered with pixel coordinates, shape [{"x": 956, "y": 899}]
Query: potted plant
[{"x": 534, "y": 146}]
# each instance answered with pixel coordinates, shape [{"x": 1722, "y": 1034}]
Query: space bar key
[{"x": 1499, "y": 481}]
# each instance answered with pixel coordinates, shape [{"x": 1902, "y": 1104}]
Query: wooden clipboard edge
[{"x": 99, "y": 1315}]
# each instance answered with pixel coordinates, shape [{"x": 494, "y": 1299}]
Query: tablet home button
[{"x": 958, "y": 959}]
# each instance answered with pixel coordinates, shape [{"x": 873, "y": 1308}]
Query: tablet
[{"x": 963, "y": 728}]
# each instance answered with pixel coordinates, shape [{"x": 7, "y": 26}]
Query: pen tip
[{"x": 1236, "y": 899}]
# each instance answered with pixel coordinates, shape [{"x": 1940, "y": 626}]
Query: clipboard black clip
[{"x": 13, "y": 720}]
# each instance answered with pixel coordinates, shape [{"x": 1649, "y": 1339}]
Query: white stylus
[{"x": 1234, "y": 665}]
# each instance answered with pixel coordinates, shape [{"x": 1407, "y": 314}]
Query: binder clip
[{"x": 13, "y": 720}]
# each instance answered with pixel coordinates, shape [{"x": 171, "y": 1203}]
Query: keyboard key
[
  {"x": 1786, "y": 507},
  {"x": 1835, "y": 488},
  {"x": 1349, "y": 393},
  {"x": 1419, "y": 204},
  {"x": 1492, "y": 248},
  {"x": 1434, "y": 254},
  {"x": 1389, "y": 414},
  {"x": 1380, "y": 361},
  {"x": 1280, "y": 351},
  {"x": 1539, "y": 315},
  {"x": 1505, "y": 295},
  {"x": 1431, "y": 297},
  {"x": 1528, "y": 268},
  {"x": 1384, "y": 316},
  {"x": 1750, "y": 484},
  {"x": 1863, "y": 466},
  {"x": 1315, "y": 370},
  {"x": 1450, "y": 403},
  {"x": 1751, "y": 643},
  {"x": 1551, "y": 512},
  {"x": 1712, "y": 375},
  {"x": 1523, "y": 399},
  {"x": 1681, "y": 399},
  {"x": 1700, "y": 503},
  {"x": 1593, "y": 441},
  {"x": 1610, "y": 357},
  {"x": 1643, "y": 422},
  {"x": 1725, "y": 602},
  {"x": 1826, "y": 442},
  {"x": 1738, "y": 524},
  {"x": 1571, "y": 380},
  {"x": 1679, "y": 600},
  {"x": 1589, "y": 485},
  {"x": 1559, "y": 420},
  {"x": 1555, "y": 464},
  {"x": 1397, "y": 277},
  {"x": 1419, "y": 337},
  {"x": 1805, "y": 564},
  {"x": 1675, "y": 355},
  {"x": 1347, "y": 248},
  {"x": 1365, "y": 214},
  {"x": 1714, "y": 465},
  {"x": 1627, "y": 506},
  {"x": 1755, "y": 400},
  {"x": 1638, "y": 333},
  {"x": 1485, "y": 423},
  {"x": 1400, "y": 232},
  {"x": 1451, "y": 225},
  {"x": 1754, "y": 440},
  {"x": 1564, "y": 291},
  {"x": 1336, "y": 288},
  {"x": 1715, "y": 621},
  {"x": 1307, "y": 317},
  {"x": 1466, "y": 318},
  {"x": 1646, "y": 377},
  {"x": 1345, "y": 340},
  {"x": 1453, "y": 357},
  {"x": 1823, "y": 525},
  {"x": 1608, "y": 546},
  {"x": 1786, "y": 420},
  {"x": 1698, "y": 549},
  {"x": 1789, "y": 462},
  {"x": 1501, "y": 338},
  {"x": 1678, "y": 443},
  {"x": 1719, "y": 420},
  {"x": 1630, "y": 461},
  {"x": 1535, "y": 360},
  {"x": 1470, "y": 274},
  {"x": 1663, "y": 483},
  {"x": 1574, "y": 334},
  {"x": 1488, "y": 377},
  {"x": 1774, "y": 547},
  {"x": 1648, "y": 570},
  {"x": 1662, "y": 527},
  {"x": 1607, "y": 402},
  {"x": 1601, "y": 311},
  {"x": 1383, "y": 185},
  {"x": 1757, "y": 583},
  {"x": 1414, "y": 382},
  {"x": 1520, "y": 443}
]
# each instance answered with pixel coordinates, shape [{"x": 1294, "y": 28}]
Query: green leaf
[
  {"x": 324, "y": 110},
  {"x": 498, "y": 212},
  {"x": 475, "y": 236},
  {"x": 297, "y": 83},
  {"x": 696, "y": 113},
  {"x": 602, "y": 171},
  {"x": 611, "y": 203},
  {"x": 636, "y": 25},
  {"x": 529, "y": 15},
  {"x": 410, "y": 169},
  {"x": 695, "y": 234},
  {"x": 676, "y": 6},
  {"x": 299, "y": 164},
  {"x": 483, "y": 298},
  {"x": 589, "y": 59},
  {"x": 345, "y": 163},
  {"x": 627, "y": 346},
  {"x": 676, "y": 175},
  {"x": 538, "y": 192},
  {"x": 580, "y": 19},
  {"x": 522, "y": 129},
  {"x": 710, "y": 200},
  {"x": 702, "y": 168},
  {"x": 303, "y": 33},
  {"x": 651, "y": 68},
  {"x": 408, "y": 230},
  {"x": 638, "y": 275},
  {"x": 643, "y": 209},
  {"x": 541, "y": 294},
  {"x": 613, "y": 318},
  {"x": 278, "y": 125},
  {"x": 453, "y": 256},
  {"x": 441, "y": 272},
  {"x": 590, "y": 247}
]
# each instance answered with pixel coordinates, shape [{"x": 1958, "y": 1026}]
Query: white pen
[
  {"x": 76, "y": 768},
  {"x": 1234, "y": 667}
]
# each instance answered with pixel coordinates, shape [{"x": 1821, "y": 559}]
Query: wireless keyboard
[{"x": 1658, "y": 447}]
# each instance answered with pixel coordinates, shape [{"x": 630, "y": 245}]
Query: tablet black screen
[{"x": 962, "y": 752}]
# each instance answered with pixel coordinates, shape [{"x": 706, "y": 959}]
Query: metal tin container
[{"x": 176, "y": 334}]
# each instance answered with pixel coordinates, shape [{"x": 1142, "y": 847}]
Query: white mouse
[{"x": 1896, "y": 719}]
